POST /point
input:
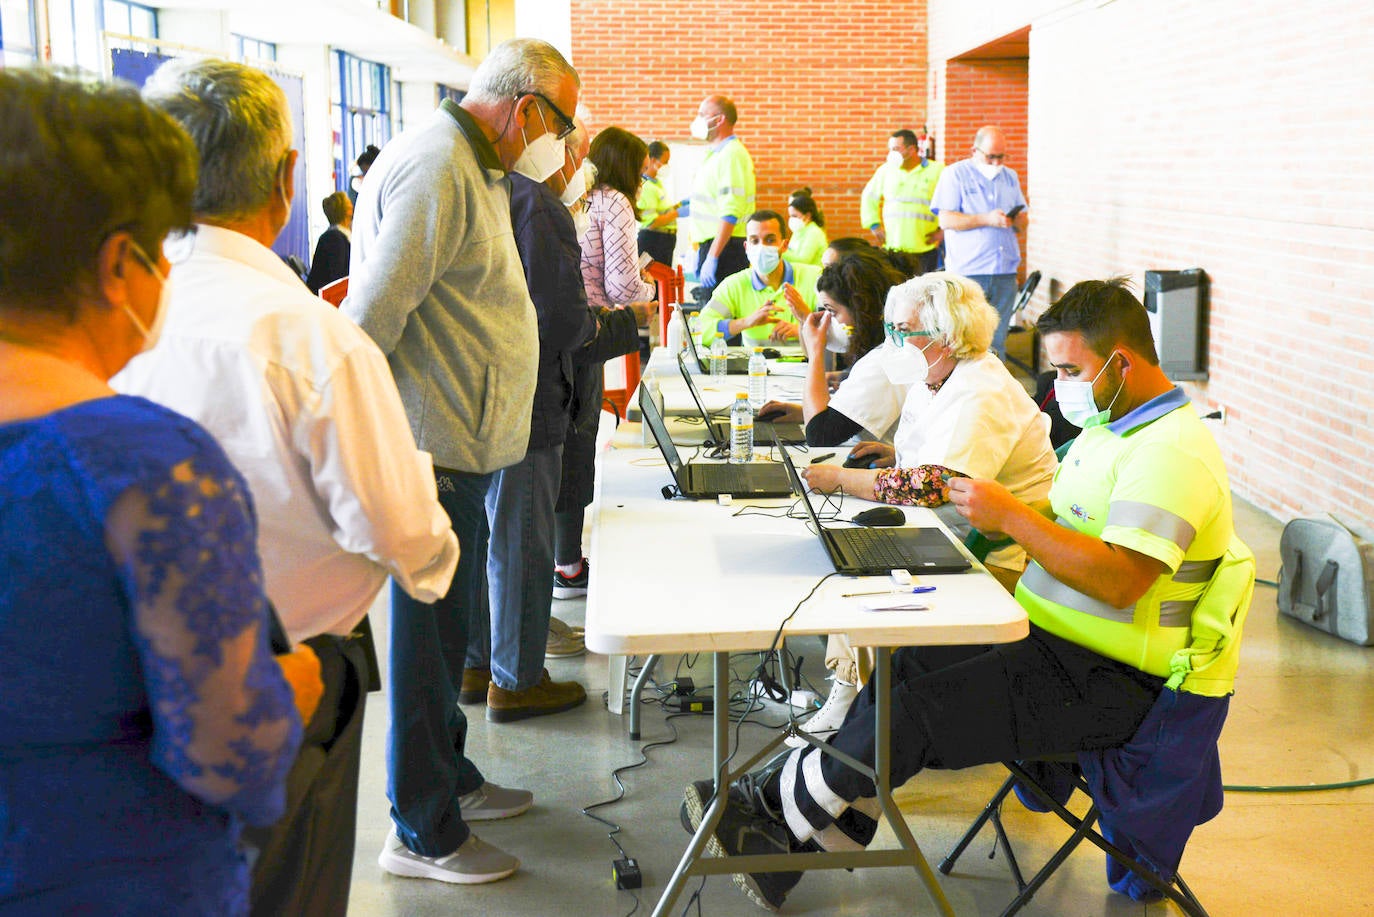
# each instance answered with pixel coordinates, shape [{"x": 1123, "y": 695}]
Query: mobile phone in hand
[{"x": 1013, "y": 212}]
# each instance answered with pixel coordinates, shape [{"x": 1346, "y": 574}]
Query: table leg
[
  {"x": 615, "y": 684},
  {"x": 645, "y": 674},
  {"x": 692, "y": 862},
  {"x": 882, "y": 780}
]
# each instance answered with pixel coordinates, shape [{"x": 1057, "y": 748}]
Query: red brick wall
[
  {"x": 819, "y": 84},
  {"x": 986, "y": 91},
  {"x": 1167, "y": 134}
]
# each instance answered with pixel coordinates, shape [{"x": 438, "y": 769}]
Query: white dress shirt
[{"x": 305, "y": 406}]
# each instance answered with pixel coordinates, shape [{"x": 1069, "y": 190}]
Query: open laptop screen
[{"x": 654, "y": 419}]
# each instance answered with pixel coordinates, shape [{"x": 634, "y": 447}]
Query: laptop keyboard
[
  {"x": 723, "y": 478},
  {"x": 875, "y": 547}
]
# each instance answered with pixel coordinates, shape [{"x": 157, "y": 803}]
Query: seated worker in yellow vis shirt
[{"x": 765, "y": 303}]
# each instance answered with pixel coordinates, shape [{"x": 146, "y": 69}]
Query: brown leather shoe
[
  {"x": 475, "y": 682},
  {"x": 544, "y": 698}
]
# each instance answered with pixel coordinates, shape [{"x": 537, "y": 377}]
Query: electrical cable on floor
[
  {"x": 1296, "y": 787},
  {"x": 1299, "y": 787},
  {"x": 615, "y": 775}
]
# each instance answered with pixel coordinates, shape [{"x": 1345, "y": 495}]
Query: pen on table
[
  {"x": 918, "y": 590},
  {"x": 822, "y": 458}
]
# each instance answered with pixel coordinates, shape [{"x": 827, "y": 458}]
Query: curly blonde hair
[{"x": 949, "y": 305}]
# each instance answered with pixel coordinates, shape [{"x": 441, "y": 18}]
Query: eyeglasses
[
  {"x": 898, "y": 336},
  {"x": 568, "y": 125},
  {"x": 992, "y": 157}
]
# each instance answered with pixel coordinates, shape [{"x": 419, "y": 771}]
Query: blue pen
[{"x": 916, "y": 590}]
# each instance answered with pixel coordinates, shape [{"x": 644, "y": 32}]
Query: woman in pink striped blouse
[{"x": 610, "y": 250}]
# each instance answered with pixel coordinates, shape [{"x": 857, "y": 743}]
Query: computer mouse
[
  {"x": 881, "y": 515},
  {"x": 772, "y": 353},
  {"x": 861, "y": 461},
  {"x": 770, "y": 416}
]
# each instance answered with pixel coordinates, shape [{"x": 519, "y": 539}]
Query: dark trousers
[
  {"x": 511, "y": 639},
  {"x": 427, "y": 771},
  {"x": 930, "y": 261},
  {"x": 658, "y": 244},
  {"x": 956, "y": 706},
  {"x": 305, "y": 860},
  {"x": 732, "y": 259}
]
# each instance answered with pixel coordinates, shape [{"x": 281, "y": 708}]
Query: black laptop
[
  {"x": 709, "y": 480},
  {"x": 736, "y": 363},
  {"x": 867, "y": 551},
  {"x": 718, "y": 432}
]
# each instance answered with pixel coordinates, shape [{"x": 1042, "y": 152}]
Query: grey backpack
[{"x": 1327, "y": 576}]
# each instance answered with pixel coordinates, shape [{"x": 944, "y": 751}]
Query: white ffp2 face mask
[
  {"x": 989, "y": 170},
  {"x": 575, "y": 188},
  {"x": 906, "y": 365},
  {"x": 701, "y": 128},
  {"x": 1077, "y": 402},
  {"x": 543, "y": 157},
  {"x": 837, "y": 337},
  {"x": 895, "y": 159},
  {"x": 151, "y": 333}
]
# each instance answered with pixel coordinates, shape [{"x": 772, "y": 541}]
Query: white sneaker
[
  {"x": 473, "y": 863},
  {"x": 490, "y": 802},
  {"x": 826, "y": 721}
]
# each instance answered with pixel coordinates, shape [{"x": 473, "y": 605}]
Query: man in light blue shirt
[{"x": 981, "y": 209}]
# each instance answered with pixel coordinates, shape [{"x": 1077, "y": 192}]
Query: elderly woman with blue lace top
[{"x": 144, "y": 717}]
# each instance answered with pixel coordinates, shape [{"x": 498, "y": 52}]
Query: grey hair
[
  {"x": 240, "y": 123},
  {"x": 518, "y": 67},
  {"x": 951, "y": 306}
]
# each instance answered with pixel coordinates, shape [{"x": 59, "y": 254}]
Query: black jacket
[
  {"x": 331, "y": 259},
  {"x": 547, "y": 240}
]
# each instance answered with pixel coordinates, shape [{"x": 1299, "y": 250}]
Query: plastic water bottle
[
  {"x": 741, "y": 430},
  {"x": 718, "y": 361},
  {"x": 758, "y": 379}
]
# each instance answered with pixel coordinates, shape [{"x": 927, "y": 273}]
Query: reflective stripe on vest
[{"x": 1131, "y": 514}]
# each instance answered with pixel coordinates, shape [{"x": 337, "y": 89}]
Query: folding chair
[
  {"x": 1023, "y": 298},
  {"x": 1207, "y": 666}
]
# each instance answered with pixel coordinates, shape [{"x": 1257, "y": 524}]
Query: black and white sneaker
[
  {"x": 570, "y": 587},
  {"x": 745, "y": 828}
]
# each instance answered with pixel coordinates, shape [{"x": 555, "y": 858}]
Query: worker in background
[
  {"x": 768, "y": 301},
  {"x": 981, "y": 208},
  {"x": 722, "y": 193},
  {"x": 657, "y": 214},
  {"x": 807, "y": 225},
  {"x": 896, "y": 201}
]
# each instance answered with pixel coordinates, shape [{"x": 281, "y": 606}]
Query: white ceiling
[{"x": 355, "y": 26}]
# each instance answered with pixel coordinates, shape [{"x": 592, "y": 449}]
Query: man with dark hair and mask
[
  {"x": 765, "y": 303},
  {"x": 1121, "y": 555},
  {"x": 437, "y": 282}
]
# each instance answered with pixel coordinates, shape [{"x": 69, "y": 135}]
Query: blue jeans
[
  {"x": 427, "y": 771},
  {"x": 1000, "y": 289},
  {"x": 512, "y": 637}
]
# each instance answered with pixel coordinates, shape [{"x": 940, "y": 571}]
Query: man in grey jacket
[{"x": 436, "y": 280}]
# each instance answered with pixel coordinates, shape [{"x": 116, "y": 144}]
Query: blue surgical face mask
[
  {"x": 1077, "y": 402},
  {"x": 764, "y": 259}
]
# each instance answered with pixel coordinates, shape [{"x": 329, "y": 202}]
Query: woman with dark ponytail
[{"x": 806, "y": 223}]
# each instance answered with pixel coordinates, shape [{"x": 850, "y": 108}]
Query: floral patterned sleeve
[
  {"x": 919, "y": 486},
  {"x": 225, "y": 726}
]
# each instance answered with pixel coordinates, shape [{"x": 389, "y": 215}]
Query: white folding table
[{"x": 733, "y": 580}]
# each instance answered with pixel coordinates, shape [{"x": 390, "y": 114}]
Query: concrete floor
[{"x": 1300, "y": 715}]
